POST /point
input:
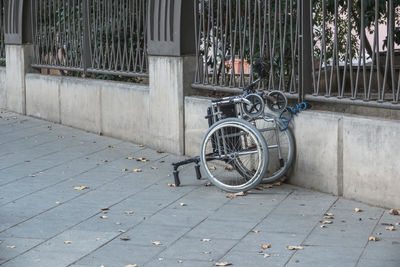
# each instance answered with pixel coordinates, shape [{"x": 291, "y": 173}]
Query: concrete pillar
[
  {"x": 18, "y": 62},
  {"x": 171, "y": 49},
  {"x": 170, "y": 79}
]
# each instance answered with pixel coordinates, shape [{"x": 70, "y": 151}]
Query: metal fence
[
  {"x": 103, "y": 37},
  {"x": 2, "y": 46},
  {"x": 344, "y": 51}
]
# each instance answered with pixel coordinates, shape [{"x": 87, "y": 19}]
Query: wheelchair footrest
[{"x": 176, "y": 165}]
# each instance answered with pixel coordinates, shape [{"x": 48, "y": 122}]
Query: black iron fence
[
  {"x": 326, "y": 50},
  {"x": 103, "y": 37},
  {"x": 2, "y": 46}
]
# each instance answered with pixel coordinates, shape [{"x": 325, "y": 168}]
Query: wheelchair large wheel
[{"x": 228, "y": 143}]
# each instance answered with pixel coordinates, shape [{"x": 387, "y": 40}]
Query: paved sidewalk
[{"x": 45, "y": 220}]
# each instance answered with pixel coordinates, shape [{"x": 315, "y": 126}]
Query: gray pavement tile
[
  {"x": 231, "y": 212},
  {"x": 55, "y": 252},
  {"x": 12, "y": 247},
  {"x": 178, "y": 263},
  {"x": 195, "y": 249},
  {"x": 325, "y": 256},
  {"x": 385, "y": 249},
  {"x": 178, "y": 216},
  {"x": 145, "y": 233},
  {"x": 288, "y": 223},
  {"x": 337, "y": 239},
  {"x": 253, "y": 259},
  {"x": 252, "y": 242},
  {"x": 375, "y": 263},
  {"x": 118, "y": 254},
  {"x": 221, "y": 229}
]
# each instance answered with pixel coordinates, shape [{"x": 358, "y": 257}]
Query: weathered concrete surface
[
  {"x": 41, "y": 163},
  {"x": 336, "y": 153},
  {"x": 3, "y": 87},
  {"x": 113, "y": 108},
  {"x": 371, "y": 166},
  {"x": 169, "y": 82},
  {"x": 18, "y": 62},
  {"x": 195, "y": 123}
]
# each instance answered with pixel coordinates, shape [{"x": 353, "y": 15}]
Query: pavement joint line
[
  {"x": 82, "y": 194},
  {"x": 367, "y": 241},
  {"x": 315, "y": 226},
  {"x": 61, "y": 181},
  {"x": 262, "y": 219},
  {"x": 54, "y": 166},
  {"x": 100, "y": 212}
]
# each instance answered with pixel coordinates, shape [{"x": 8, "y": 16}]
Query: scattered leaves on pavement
[
  {"x": 325, "y": 222},
  {"x": 394, "y": 212},
  {"x": 171, "y": 185},
  {"x": 225, "y": 263},
  {"x": 358, "y": 210},
  {"x": 125, "y": 238},
  {"x": 239, "y": 194},
  {"x": 294, "y": 247},
  {"x": 329, "y": 217},
  {"x": 82, "y": 187},
  {"x": 228, "y": 168},
  {"x": 142, "y": 159},
  {"x": 328, "y": 214},
  {"x": 390, "y": 228},
  {"x": 265, "y": 246},
  {"x": 137, "y": 170},
  {"x": 156, "y": 243},
  {"x": 104, "y": 217},
  {"x": 67, "y": 242},
  {"x": 372, "y": 238},
  {"x": 206, "y": 240}
]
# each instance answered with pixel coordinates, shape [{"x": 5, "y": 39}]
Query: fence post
[
  {"x": 18, "y": 37},
  {"x": 86, "y": 51},
  {"x": 171, "y": 50},
  {"x": 305, "y": 38}
]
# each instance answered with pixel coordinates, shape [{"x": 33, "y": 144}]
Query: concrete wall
[
  {"x": 3, "y": 87},
  {"x": 112, "y": 108},
  {"x": 341, "y": 154}
]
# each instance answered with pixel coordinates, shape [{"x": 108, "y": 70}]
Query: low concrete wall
[
  {"x": 3, "y": 101},
  {"x": 341, "y": 154},
  {"x": 112, "y": 108}
]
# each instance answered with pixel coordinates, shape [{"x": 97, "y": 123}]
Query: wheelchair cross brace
[{"x": 176, "y": 165}]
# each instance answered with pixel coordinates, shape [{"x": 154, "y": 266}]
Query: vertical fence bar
[{"x": 305, "y": 75}]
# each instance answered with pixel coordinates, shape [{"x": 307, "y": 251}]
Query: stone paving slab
[{"x": 115, "y": 220}]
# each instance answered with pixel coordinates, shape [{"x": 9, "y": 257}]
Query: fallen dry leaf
[
  {"x": 137, "y": 170},
  {"x": 157, "y": 243},
  {"x": 142, "y": 159},
  {"x": 239, "y": 194},
  {"x": 265, "y": 246},
  {"x": 32, "y": 175},
  {"x": 83, "y": 187},
  {"x": 121, "y": 231},
  {"x": 182, "y": 204},
  {"x": 266, "y": 255},
  {"x": 207, "y": 252},
  {"x": 277, "y": 184},
  {"x": 208, "y": 184},
  {"x": 118, "y": 223},
  {"x": 58, "y": 202},
  {"x": 229, "y": 168},
  {"x": 294, "y": 247},
  {"x": 213, "y": 168},
  {"x": 358, "y": 210},
  {"x": 131, "y": 265},
  {"x": 125, "y": 238},
  {"x": 372, "y": 238},
  {"x": 255, "y": 231},
  {"x": 206, "y": 240},
  {"x": 11, "y": 246},
  {"x": 110, "y": 146},
  {"x": 325, "y": 222},
  {"x": 67, "y": 242},
  {"x": 172, "y": 185},
  {"x": 323, "y": 226},
  {"x": 105, "y": 161},
  {"x": 394, "y": 212},
  {"x": 129, "y": 212},
  {"x": 225, "y": 263},
  {"x": 154, "y": 168},
  {"x": 329, "y": 217},
  {"x": 124, "y": 170},
  {"x": 328, "y": 214},
  {"x": 141, "y": 145},
  {"x": 160, "y": 151},
  {"x": 104, "y": 217},
  {"x": 390, "y": 228},
  {"x": 103, "y": 209},
  {"x": 130, "y": 158}
]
